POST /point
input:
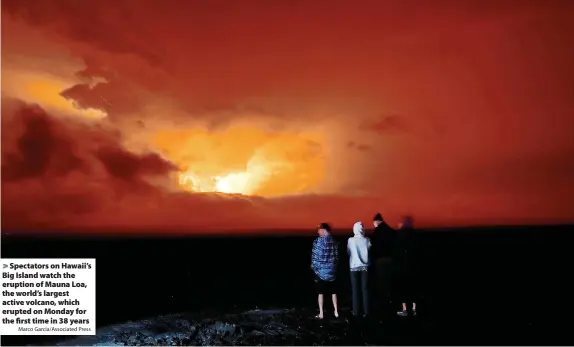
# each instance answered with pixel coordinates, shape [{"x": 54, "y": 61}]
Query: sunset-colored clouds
[{"x": 458, "y": 113}]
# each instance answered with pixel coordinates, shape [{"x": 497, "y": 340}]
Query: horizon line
[{"x": 87, "y": 232}]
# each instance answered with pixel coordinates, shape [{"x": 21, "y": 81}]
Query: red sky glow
[{"x": 206, "y": 115}]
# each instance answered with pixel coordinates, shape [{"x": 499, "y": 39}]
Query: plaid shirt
[{"x": 324, "y": 257}]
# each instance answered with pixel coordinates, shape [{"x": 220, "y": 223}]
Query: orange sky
[{"x": 134, "y": 114}]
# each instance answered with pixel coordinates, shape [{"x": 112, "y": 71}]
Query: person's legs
[
  {"x": 331, "y": 287},
  {"x": 412, "y": 290},
  {"x": 355, "y": 291},
  {"x": 405, "y": 287},
  {"x": 404, "y": 299},
  {"x": 385, "y": 278},
  {"x": 320, "y": 301},
  {"x": 374, "y": 283},
  {"x": 378, "y": 287},
  {"x": 335, "y": 305},
  {"x": 320, "y": 288},
  {"x": 365, "y": 291}
]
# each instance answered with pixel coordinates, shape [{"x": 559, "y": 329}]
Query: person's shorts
[{"x": 325, "y": 287}]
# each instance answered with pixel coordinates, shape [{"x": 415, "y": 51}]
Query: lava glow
[
  {"x": 233, "y": 183},
  {"x": 244, "y": 160}
]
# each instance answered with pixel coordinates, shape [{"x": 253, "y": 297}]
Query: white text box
[{"x": 48, "y": 297}]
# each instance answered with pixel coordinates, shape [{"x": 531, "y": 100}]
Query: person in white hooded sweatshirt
[{"x": 358, "y": 249}]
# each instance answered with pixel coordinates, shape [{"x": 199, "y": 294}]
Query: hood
[{"x": 358, "y": 229}]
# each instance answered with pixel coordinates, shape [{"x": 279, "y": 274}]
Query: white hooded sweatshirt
[{"x": 358, "y": 247}]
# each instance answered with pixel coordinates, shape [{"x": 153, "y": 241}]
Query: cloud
[
  {"x": 385, "y": 106},
  {"x": 391, "y": 124},
  {"x": 51, "y": 164},
  {"x": 36, "y": 148},
  {"x": 62, "y": 173},
  {"x": 358, "y": 146}
]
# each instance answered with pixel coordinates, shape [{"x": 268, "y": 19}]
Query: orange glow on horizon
[{"x": 243, "y": 160}]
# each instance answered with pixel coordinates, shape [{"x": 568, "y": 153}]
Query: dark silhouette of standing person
[
  {"x": 404, "y": 260},
  {"x": 324, "y": 260},
  {"x": 382, "y": 241}
]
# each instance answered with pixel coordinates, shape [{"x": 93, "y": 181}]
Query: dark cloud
[
  {"x": 125, "y": 165},
  {"x": 39, "y": 151},
  {"x": 387, "y": 124},
  {"x": 359, "y": 146},
  {"x": 64, "y": 162},
  {"x": 442, "y": 95}
]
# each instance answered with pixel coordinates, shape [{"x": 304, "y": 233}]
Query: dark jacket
[
  {"x": 404, "y": 250},
  {"x": 382, "y": 241}
]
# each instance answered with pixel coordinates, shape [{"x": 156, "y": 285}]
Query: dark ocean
[{"x": 492, "y": 286}]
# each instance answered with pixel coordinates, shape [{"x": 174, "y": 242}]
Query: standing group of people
[{"x": 381, "y": 267}]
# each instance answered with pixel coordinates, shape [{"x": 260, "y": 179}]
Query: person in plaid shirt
[{"x": 324, "y": 260}]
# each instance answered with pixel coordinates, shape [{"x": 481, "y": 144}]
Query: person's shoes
[
  {"x": 403, "y": 313},
  {"x": 415, "y": 312}
]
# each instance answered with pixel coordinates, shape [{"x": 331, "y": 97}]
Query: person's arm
[
  {"x": 316, "y": 254},
  {"x": 336, "y": 251},
  {"x": 349, "y": 247},
  {"x": 313, "y": 255}
]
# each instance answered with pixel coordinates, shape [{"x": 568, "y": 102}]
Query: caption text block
[{"x": 48, "y": 297}]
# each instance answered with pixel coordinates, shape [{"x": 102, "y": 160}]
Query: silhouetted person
[
  {"x": 324, "y": 260},
  {"x": 404, "y": 259},
  {"x": 358, "y": 250},
  {"x": 382, "y": 241}
]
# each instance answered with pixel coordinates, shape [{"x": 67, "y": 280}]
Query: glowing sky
[{"x": 134, "y": 114}]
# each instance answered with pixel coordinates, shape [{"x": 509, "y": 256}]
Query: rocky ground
[{"x": 257, "y": 327}]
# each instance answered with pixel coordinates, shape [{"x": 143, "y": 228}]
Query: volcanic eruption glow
[{"x": 233, "y": 183}]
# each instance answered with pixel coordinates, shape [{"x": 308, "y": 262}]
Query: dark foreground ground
[
  {"x": 286, "y": 327},
  {"x": 490, "y": 286}
]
